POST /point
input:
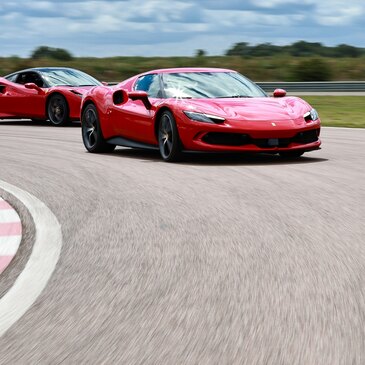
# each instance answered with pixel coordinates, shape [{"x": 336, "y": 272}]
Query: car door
[
  {"x": 18, "y": 101},
  {"x": 132, "y": 120},
  {"x": 4, "y": 105},
  {"x": 12, "y": 98}
]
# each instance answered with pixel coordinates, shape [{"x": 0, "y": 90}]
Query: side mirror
[
  {"x": 33, "y": 86},
  {"x": 140, "y": 95},
  {"x": 104, "y": 83},
  {"x": 279, "y": 93},
  {"x": 120, "y": 97}
]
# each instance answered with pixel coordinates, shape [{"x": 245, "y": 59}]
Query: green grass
[{"x": 339, "y": 111}]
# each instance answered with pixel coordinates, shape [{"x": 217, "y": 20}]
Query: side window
[
  {"x": 27, "y": 77},
  {"x": 150, "y": 84},
  {"x": 22, "y": 78},
  {"x": 12, "y": 78}
]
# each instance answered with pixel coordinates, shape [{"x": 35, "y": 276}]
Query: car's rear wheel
[
  {"x": 92, "y": 135},
  {"x": 168, "y": 138},
  {"x": 58, "y": 110},
  {"x": 291, "y": 154}
]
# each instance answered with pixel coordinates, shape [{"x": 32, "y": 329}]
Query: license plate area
[{"x": 273, "y": 142}]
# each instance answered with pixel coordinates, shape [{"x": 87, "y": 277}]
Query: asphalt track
[{"x": 215, "y": 260}]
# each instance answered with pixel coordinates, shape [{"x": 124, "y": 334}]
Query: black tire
[
  {"x": 291, "y": 154},
  {"x": 92, "y": 135},
  {"x": 168, "y": 138},
  {"x": 58, "y": 110}
]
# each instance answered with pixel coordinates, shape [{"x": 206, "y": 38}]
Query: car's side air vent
[
  {"x": 118, "y": 97},
  {"x": 2, "y": 89},
  {"x": 76, "y": 93}
]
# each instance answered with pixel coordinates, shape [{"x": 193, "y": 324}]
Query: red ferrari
[
  {"x": 197, "y": 109},
  {"x": 52, "y": 93}
]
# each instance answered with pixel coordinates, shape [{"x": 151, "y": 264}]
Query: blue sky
[{"x": 173, "y": 27}]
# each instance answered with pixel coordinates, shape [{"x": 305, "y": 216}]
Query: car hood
[{"x": 252, "y": 109}]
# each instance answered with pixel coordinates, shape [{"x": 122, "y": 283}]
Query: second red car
[{"x": 44, "y": 93}]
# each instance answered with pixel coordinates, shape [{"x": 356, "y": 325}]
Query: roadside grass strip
[{"x": 10, "y": 234}]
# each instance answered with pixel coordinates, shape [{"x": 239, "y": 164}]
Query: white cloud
[
  {"x": 246, "y": 19},
  {"x": 176, "y": 27},
  {"x": 339, "y": 13}
]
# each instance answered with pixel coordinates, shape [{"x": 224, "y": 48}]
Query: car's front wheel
[
  {"x": 168, "y": 138},
  {"x": 92, "y": 135},
  {"x": 58, "y": 110}
]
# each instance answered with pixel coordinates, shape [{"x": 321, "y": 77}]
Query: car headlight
[
  {"x": 205, "y": 118},
  {"x": 312, "y": 115}
]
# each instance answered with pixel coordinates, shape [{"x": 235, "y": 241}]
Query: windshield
[
  {"x": 68, "y": 77},
  {"x": 209, "y": 85}
]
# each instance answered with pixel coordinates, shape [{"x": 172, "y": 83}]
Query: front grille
[
  {"x": 227, "y": 139},
  {"x": 236, "y": 139},
  {"x": 270, "y": 143}
]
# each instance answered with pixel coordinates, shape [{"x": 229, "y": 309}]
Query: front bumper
[{"x": 262, "y": 136}]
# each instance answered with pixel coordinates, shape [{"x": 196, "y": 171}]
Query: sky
[{"x": 172, "y": 27}]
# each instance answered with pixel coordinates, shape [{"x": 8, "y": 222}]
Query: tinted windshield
[
  {"x": 69, "y": 77},
  {"x": 209, "y": 85}
]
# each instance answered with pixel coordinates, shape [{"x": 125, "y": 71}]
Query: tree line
[
  {"x": 243, "y": 49},
  {"x": 301, "y": 61},
  {"x": 297, "y": 49}
]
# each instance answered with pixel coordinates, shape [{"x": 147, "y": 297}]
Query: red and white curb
[
  {"x": 10, "y": 233},
  {"x": 41, "y": 263}
]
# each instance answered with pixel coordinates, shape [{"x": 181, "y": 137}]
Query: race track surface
[{"x": 215, "y": 260}]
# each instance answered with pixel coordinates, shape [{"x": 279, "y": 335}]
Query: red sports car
[
  {"x": 197, "y": 109},
  {"x": 52, "y": 93}
]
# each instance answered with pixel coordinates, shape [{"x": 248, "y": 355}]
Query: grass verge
[{"x": 339, "y": 111}]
